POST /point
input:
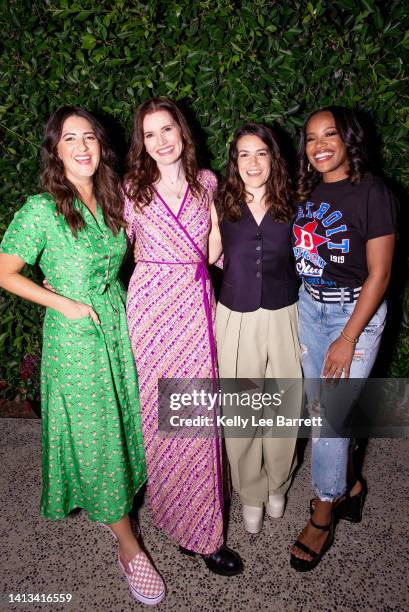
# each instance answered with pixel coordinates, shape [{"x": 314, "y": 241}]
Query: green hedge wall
[{"x": 225, "y": 61}]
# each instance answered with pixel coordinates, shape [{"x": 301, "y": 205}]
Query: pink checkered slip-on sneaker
[{"x": 144, "y": 581}]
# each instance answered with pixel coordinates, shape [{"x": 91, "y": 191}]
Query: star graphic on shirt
[{"x": 307, "y": 238}]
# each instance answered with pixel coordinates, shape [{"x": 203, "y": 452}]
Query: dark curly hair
[
  {"x": 107, "y": 186},
  {"x": 352, "y": 135},
  {"x": 142, "y": 170},
  {"x": 232, "y": 192}
]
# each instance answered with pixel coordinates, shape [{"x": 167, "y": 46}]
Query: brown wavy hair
[
  {"x": 107, "y": 186},
  {"x": 142, "y": 170},
  {"x": 352, "y": 135},
  {"x": 232, "y": 192}
]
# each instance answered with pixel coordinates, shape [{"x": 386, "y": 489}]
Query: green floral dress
[{"x": 92, "y": 449}]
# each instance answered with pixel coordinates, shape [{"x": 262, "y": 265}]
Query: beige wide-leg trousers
[{"x": 260, "y": 344}]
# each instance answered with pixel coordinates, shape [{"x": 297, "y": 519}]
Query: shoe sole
[
  {"x": 226, "y": 572},
  {"x": 146, "y": 600},
  {"x": 274, "y": 513},
  {"x": 345, "y": 517},
  {"x": 253, "y": 529}
]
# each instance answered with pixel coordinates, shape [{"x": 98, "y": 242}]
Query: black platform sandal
[
  {"x": 348, "y": 508},
  {"x": 305, "y": 565},
  {"x": 224, "y": 561}
]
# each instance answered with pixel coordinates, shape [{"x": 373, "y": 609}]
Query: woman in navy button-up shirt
[{"x": 257, "y": 320}]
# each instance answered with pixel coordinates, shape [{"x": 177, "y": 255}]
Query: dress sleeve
[
  {"x": 381, "y": 211},
  {"x": 26, "y": 235},
  {"x": 210, "y": 180},
  {"x": 130, "y": 218}
]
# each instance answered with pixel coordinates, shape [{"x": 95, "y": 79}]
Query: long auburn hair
[
  {"x": 232, "y": 193},
  {"x": 352, "y": 135},
  {"x": 142, "y": 170},
  {"x": 107, "y": 186}
]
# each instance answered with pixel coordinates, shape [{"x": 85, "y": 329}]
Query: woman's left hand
[{"x": 338, "y": 359}]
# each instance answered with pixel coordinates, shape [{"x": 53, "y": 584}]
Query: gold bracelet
[{"x": 348, "y": 338}]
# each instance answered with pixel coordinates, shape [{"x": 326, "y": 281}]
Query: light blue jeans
[{"x": 320, "y": 324}]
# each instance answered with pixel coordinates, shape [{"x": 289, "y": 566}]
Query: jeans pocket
[{"x": 378, "y": 319}]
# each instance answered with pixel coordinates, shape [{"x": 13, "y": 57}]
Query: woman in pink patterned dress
[{"x": 170, "y": 310}]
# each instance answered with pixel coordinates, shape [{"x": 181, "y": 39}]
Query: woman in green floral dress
[{"x": 92, "y": 449}]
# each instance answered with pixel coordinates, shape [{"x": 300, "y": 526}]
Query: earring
[{"x": 309, "y": 167}]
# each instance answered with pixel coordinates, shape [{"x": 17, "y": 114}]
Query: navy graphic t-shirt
[{"x": 331, "y": 230}]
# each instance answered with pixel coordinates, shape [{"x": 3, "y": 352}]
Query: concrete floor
[{"x": 366, "y": 568}]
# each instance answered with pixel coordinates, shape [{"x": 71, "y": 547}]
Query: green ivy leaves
[{"x": 225, "y": 61}]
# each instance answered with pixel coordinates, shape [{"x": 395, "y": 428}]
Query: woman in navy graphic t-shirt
[{"x": 343, "y": 242}]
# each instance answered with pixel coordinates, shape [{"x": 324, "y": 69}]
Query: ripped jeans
[{"x": 320, "y": 324}]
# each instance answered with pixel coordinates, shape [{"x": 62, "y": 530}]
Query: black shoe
[
  {"x": 350, "y": 508},
  {"x": 224, "y": 561},
  {"x": 305, "y": 565}
]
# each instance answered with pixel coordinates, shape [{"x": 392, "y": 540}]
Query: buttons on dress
[
  {"x": 258, "y": 261},
  {"x": 258, "y": 248},
  {"x": 258, "y": 274}
]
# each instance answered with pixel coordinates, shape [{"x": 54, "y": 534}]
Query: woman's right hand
[{"x": 71, "y": 309}]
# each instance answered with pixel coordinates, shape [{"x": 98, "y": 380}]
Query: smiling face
[
  {"x": 162, "y": 137},
  {"x": 78, "y": 149},
  {"x": 325, "y": 149},
  {"x": 254, "y": 161}
]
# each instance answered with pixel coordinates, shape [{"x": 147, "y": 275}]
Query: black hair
[{"x": 352, "y": 135}]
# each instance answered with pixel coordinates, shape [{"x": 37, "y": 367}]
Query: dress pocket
[{"x": 82, "y": 325}]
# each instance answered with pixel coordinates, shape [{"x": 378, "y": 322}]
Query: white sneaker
[
  {"x": 253, "y": 518},
  {"x": 275, "y": 506}
]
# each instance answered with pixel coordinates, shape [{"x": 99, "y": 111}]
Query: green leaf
[{"x": 88, "y": 41}]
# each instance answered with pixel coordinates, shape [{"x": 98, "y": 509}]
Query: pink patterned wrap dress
[{"x": 170, "y": 311}]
